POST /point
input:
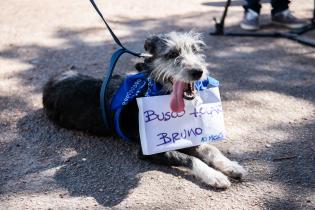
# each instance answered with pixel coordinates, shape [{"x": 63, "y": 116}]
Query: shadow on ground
[
  {"x": 106, "y": 169},
  {"x": 291, "y": 165}
]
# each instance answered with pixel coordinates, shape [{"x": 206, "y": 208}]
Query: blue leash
[{"x": 113, "y": 61}]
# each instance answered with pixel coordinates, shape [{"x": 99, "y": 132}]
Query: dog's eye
[
  {"x": 194, "y": 49},
  {"x": 172, "y": 54}
]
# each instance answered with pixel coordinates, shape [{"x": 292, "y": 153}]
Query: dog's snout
[{"x": 195, "y": 73}]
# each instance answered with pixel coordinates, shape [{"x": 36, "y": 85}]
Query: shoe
[
  {"x": 285, "y": 18},
  {"x": 250, "y": 21}
]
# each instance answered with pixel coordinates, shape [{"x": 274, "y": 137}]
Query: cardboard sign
[{"x": 162, "y": 130}]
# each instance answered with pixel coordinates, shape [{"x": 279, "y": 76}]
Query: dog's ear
[
  {"x": 154, "y": 45},
  {"x": 141, "y": 66}
]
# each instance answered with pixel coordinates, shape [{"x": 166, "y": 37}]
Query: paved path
[{"x": 268, "y": 92}]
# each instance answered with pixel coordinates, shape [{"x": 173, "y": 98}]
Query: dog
[{"x": 71, "y": 100}]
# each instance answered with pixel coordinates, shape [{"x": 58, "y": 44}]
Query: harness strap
[{"x": 107, "y": 76}]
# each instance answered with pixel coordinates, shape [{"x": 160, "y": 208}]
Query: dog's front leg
[
  {"x": 201, "y": 170},
  {"x": 212, "y": 156}
]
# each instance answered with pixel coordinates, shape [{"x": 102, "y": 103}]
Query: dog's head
[{"x": 177, "y": 61}]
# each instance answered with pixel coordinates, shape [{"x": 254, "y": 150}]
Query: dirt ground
[{"x": 267, "y": 88}]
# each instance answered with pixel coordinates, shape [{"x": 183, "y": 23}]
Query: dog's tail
[{"x": 71, "y": 100}]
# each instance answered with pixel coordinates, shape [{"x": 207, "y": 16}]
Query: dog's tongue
[{"x": 177, "y": 100}]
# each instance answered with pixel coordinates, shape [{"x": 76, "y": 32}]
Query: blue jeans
[{"x": 277, "y": 5}]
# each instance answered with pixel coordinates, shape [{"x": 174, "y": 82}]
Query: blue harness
[{"x": 139, "y": 85}]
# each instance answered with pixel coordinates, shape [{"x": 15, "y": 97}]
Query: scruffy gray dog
[{"x": 71, "y": 100}]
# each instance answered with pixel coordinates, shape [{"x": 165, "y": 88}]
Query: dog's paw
[
  {"x": 218, "y": 180},
  {"x": 234, "y": 170},
  {"x": 209, "y": 175}
]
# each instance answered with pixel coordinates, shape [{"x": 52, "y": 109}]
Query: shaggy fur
[{"x": 72, "y": 101}]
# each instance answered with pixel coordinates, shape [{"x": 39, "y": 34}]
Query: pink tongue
[{"x": 177, "y": 101}]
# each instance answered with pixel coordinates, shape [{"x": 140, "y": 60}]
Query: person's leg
[
  {"x": 279, "y": 6},
  {"x": 253, "y": 5},
  {"x": 281, "y": 15},
  {"x": 251, "y": 15}
]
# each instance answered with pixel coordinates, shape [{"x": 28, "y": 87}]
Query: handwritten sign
[{"x": 162, "y": 130}]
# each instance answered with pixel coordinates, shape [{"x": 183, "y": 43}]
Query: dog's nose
[{"x": 195, "y": 73}]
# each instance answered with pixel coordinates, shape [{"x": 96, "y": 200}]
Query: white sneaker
[
  {"x": 287, "y": 19},
  {"x": 250, "y": 21}
]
